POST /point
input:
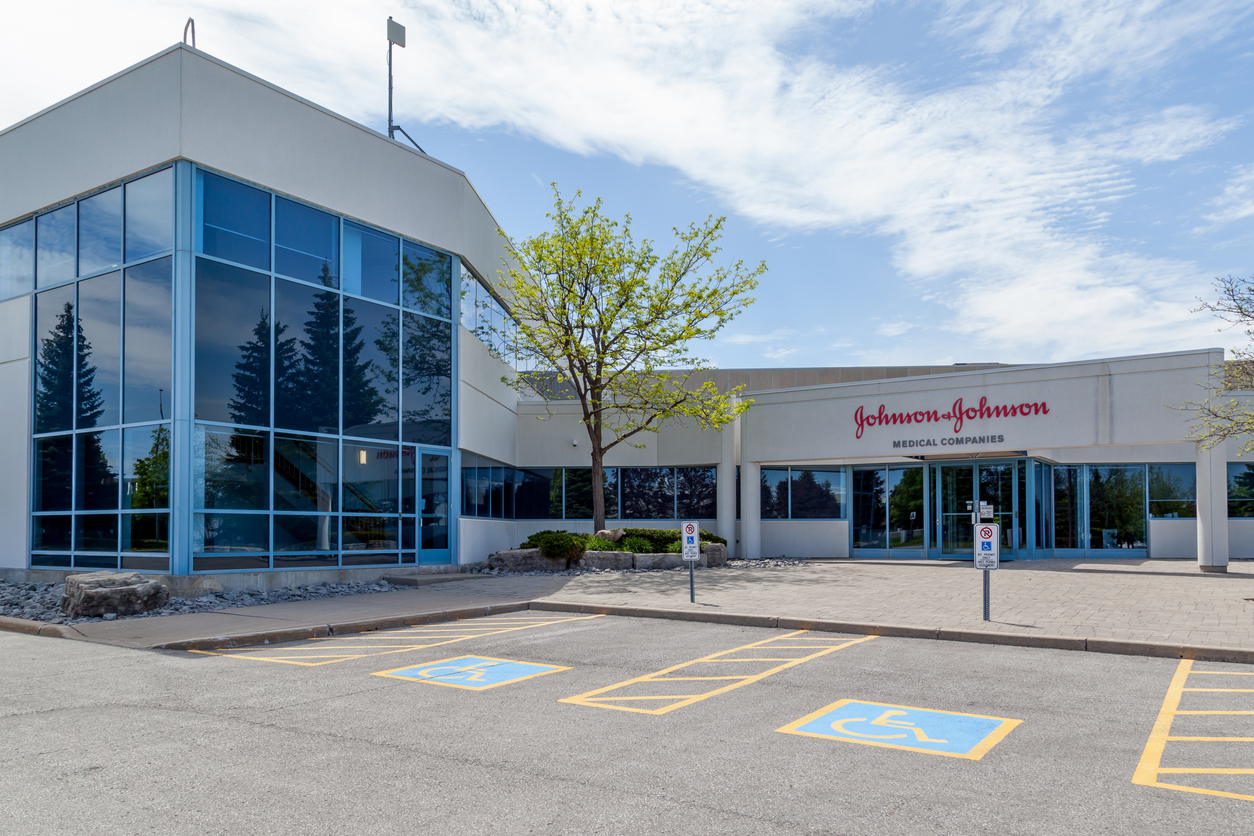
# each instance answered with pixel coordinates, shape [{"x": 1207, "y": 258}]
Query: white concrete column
[
  {"x": 727, "y": 485},
  {"x": 750, "y": 510},
  {"x": 1212, "y": 509}
]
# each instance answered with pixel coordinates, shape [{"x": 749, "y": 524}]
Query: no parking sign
[{"x": 987, "y": 543}]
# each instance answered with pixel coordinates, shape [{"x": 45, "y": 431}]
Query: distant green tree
[
  {"x": 250, "y": 403},
  {"x": 152, "y": 473}
]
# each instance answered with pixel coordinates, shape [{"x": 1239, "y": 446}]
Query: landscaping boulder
[
  {"x": 100, "y": 593},
  {"x": 663, "y": 561},
  {"x": 606, "y": 560},
  {"x": 612, "y": 536},
  {"x": 525, "y": 560},
  {"x": 715, "y": 554}
]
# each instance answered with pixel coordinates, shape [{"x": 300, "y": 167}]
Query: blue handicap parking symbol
[
  {"x": 986, "y": 545},
  {"x": 475, "y": 673},
  {"x": 903, "y": 727}
]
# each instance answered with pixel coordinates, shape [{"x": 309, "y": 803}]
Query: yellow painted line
[
  {"x": 1214, "y": 739},
  {"x": 1150, "y": 767},
  {"x": 1146, "y": 774},
  {"x": 595, "y": 699},
  {"x": 286, "y": 657}
]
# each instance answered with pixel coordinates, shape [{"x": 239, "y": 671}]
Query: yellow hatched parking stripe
[
  {"x": 609, "y": 697},
  {"x": 1150, "y": 768},
  {"x": 382, "y": 643}
]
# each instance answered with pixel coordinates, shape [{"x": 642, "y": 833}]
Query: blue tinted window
[
  {"x": 306, "y": 243},
  {"x": 54, "y": 247},
  {"x": 99, "y": 351},
  {"x": 696, "y": 493},
  {"x": 225, "y": 533},
  {"x": 234, "y": 221},
  {"x": 51, "y": 533},
  {"x": 427, "y": 280},
  {"x": 648, "y": 493},
  {"x": 371, "y": 480},
  {"x": 98, "y": 463},
  {"x": 146, "y": 533},
  {"x": 53, "y": 483},
  {"x": 100, "y": 232},
  {"x": 230, "y": 469},
  {"x": 146, "y": 345},
  {"x": 306, "y": 358},
  {"x": 427, "y": 394},
  {"x": 17, "y": 260},
  {"x": 232, "y": 344},
  {"x": 370, "y": 369},
  {"x": 150, "y": 215},
  {"x": 1173, "y": 491},
  {"x": 306, "y": 473},
  {"x": 819, "y": 494},
  {"x": 54, "y": 360},
  {"x": 305, "y": 533},
  {"x": 370, "y": 263},
  {"x": 96, "y": 533},
  {"x": 146, "y": 467}
]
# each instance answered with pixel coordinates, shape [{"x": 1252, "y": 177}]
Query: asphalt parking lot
[{"x": 543, "y": 722}]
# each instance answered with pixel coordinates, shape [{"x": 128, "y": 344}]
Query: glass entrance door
[
  {"x": 957, "y": 499},
  {"x": 961, "y": 489}
]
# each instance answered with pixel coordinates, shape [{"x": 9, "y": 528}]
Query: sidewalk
[{"x": 1161, "y": 608}]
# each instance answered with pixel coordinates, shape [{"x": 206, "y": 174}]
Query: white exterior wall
[
  {"x": 486, "y": 421},
  {"x": 805, "y": 538},
  {"x": 1173, "y": 538},
  {"x": 15, "y": 409}
]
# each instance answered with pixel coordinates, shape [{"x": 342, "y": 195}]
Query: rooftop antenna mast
[
  {"x": 396, "y": 35},
  {"x": 191, "y": 25}
]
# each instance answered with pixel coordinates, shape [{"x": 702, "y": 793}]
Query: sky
[{"x": 1011, "y": 181}]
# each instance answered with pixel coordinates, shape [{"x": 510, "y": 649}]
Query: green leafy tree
[
  {"x": 613, "y": 319},
  {"x": 152, "y": 473},
  {"x": 1224, "y": 414}
]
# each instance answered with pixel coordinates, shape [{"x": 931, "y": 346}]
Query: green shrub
[
  {"x": 558, "y": 545},
  {"x": 636, "y": 545},
  {"x": 596, "y": 545},
  {"x": 666, "y": 540}
]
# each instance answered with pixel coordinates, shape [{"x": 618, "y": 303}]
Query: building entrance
[{"x": 962, "y": 488}]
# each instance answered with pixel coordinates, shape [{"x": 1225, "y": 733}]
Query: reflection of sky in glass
[
  {"x": 55, "y": 253},
  {"x": 150, "y": 215},
  {"x": 17, "y": 259},
  {"x": 146, "y": 361},
  {"x": 99, "y": 311},
  {"x": 100, "y": 232}
]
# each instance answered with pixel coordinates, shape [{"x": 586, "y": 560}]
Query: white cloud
[
  {"x": 894, "y": 329},
  {"x": 979, "y": 179},
  {"x": 778, "y": 354},
  {"x": 1237, "y": 200}
]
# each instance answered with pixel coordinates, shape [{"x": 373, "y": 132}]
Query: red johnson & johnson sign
[{"x": 958, "y": 414}]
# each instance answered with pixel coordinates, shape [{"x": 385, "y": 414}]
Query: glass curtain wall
[
  {"x": 494, "y": 490},
  {"x": 102, "y": 272},
  {"x": 323, "y": 388},
  {"x": 888, "y": 508}
]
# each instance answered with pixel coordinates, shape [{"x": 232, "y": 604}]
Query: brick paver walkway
[{"x": 1142, "y": 600}]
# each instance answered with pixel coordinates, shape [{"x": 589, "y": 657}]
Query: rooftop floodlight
[{"x": 396, "y": 35}]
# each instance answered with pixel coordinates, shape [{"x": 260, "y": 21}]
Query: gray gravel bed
[{"x": 42, "y": 601}]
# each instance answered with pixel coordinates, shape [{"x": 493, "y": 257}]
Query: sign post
[
  {"x": 987, "y": 553},
  {"x": 690, "y": 539}
]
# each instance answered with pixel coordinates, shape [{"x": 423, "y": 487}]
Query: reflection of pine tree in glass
[
  {"x": 251, "y": 378},
  {"x": 698, "y": 491},
  {"x": 812, "y": 499},
  {"x": 54, "y": 396},
  {"x": 152, "y": 473},
  {"x": 362, "y": 401},
  {"x": 306, "y": 368}
]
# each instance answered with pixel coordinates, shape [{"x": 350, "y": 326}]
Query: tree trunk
[{"x": 598, "y": 490}]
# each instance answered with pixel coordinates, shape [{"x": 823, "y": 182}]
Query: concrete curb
[
  {"x": 1125, "y": 647},
  {"x": 20, "y": 625}
]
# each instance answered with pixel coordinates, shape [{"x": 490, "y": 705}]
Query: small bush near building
[{"x": 564, "y": 545}]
